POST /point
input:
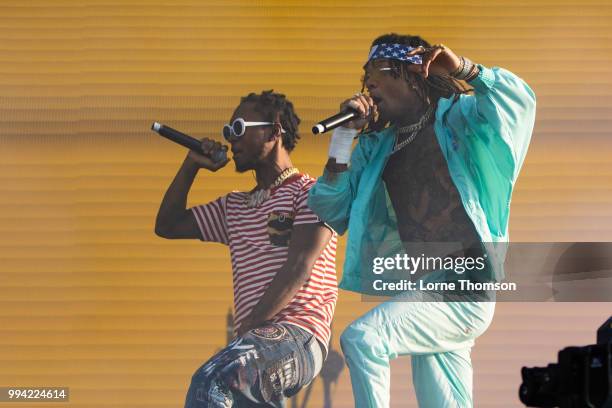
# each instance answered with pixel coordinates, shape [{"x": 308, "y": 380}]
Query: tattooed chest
[{"x": 426, "y": 202}]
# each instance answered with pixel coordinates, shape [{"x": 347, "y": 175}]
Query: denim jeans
[{"x": 259, "y": 369}]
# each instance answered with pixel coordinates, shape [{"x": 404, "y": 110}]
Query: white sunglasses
[{"x": 238, "y": 128}]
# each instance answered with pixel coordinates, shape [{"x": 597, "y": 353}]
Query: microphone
[
  {"x": 217, "y": 156},
  {"x": 333, "y": 122}
]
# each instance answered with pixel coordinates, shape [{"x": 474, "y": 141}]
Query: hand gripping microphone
[
  {"x": 333, "y": 122},
  {"x": 217, "y": 156}
]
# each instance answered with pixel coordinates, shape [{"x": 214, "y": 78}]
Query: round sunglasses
[{"x": 238, "y": 128}]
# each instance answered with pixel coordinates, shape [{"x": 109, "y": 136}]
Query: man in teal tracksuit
[{"x": 442, "y": 143}]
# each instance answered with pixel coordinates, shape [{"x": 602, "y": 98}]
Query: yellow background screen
[{"x": 91, "y": 299}]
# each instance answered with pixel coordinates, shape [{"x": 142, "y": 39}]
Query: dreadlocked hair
[
  {"x": 271, "y": 104},
  {"x": 429, "y": 89}
]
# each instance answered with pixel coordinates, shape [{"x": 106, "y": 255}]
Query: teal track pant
[{"x": 437, "y": 335}]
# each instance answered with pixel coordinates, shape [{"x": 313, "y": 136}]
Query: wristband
[{"x": 341, "y": 143}]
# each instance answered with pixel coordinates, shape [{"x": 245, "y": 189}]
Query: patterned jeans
[{"x": 258, "y": 369}]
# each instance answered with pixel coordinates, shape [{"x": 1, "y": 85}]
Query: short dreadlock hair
[{"x": 269, "y": 104}]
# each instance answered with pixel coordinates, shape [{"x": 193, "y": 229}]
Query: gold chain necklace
[{"x": 257, "y": 197}]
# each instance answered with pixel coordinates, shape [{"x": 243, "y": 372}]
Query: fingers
[
  {"x": 209, "y": 146},
  {"x": 365, "y": 104},
  {"x": 428, "y": 58},
  {"x": 417, "y": 50},
  {"x": 361, "y": 103},
  {"x": 423, "y": 50},
  {"x": 217, "y": 166},
  {"x": 429, "y": 54},
  {"x": 205, "y": 159}
]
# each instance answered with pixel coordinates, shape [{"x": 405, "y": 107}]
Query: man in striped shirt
[{"x": 283, "y": 260}]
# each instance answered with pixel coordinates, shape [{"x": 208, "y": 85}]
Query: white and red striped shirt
[{"x": 258, "y": 243}]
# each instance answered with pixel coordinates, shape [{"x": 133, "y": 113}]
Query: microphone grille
[{"x": 318, "y": 128}]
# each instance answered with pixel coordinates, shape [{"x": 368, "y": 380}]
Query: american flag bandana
[{"x": 394, "y": 51}]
